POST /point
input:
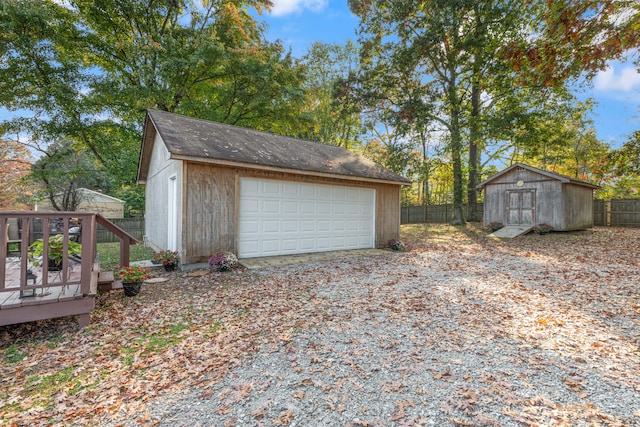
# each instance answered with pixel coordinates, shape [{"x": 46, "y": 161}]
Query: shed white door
[{"x": 287, "y": 217}]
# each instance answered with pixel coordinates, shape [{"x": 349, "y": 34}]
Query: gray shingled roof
[
  {"x": 187, "y": 137},
  {"x": 562, "y": 178}
]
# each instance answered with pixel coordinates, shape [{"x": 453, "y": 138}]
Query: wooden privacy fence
[
  {"x": 617, "y": 212},
  {"x": 614, "y": 213},
  {"x": 133, "y": 226},
  {"x": 431, "y": 213}
]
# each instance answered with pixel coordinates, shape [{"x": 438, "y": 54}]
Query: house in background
[
  {"x": 524, "y": 195},
  {"x": 90, "y": 201},
  {"x": 213, "y": 187}
]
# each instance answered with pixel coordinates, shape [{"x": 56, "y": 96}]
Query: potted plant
[
  {"x": 132, "y": 278},
  {"x": 543, "y": 228},
  {"x": 495, "y": 226},
  {"x": 396, "y": 245},
  {"x": 55, "y": 251},
  {"x": 167, "y": 258},
  {"x": 223, "y": 261}
]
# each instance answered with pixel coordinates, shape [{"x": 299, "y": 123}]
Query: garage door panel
[
  {"x": 307, "y": 226},
  {"x": 290, "y": 226},
  {"x": 271, "y": 206},
  {"x": 252, "y": 206},
  {"x": 324, "y": 226},
  {"x": 271, "y": 226},
  {"x": 289, "y": 244},
  {"x": 307, "y": 208},
  {"x": 323, "y": 209},
  {"x": 290, "y": 207},
  {"x": 272, "y": 187},
  {"x": 284, "y": 217}
]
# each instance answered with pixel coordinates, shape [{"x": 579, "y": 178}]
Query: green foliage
[
  {"x": 55, "y": 250},
  {"x": 133, "y": 196},
  {"x": 334, "y": 114},
  {"x": 88, "y": 71},
  {"x": 63, "y": 168},
  {"x": 626, "y": 159}
]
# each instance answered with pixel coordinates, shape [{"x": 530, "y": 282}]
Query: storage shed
[
  {"x": 524, "y": 195},
  {"x": 214, "y": 187},
  {"x": 89, "y": 201}
]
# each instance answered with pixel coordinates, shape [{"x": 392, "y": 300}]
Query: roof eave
[
  {"x": 148, "y": 136},
  {"x": 286, "y": 170}
]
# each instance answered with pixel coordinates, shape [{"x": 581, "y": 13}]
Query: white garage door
[{"x": 285, "y": 217}]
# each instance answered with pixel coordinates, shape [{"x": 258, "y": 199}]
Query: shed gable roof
[
  {"x": 93, "y": 196},
  {"x": 188, "y": 138},
  {"x": 562, "y": 178}
]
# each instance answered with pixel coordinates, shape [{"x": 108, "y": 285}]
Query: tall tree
[
  {"x": 62, "y": 170},
  {"x": 15, "y": 163},
  {"x": 334, "y": 117},
  {"x": 437, "y": 54},
  {"x": 88, "y": 70}
]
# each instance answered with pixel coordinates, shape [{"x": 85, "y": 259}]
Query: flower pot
[
  {"x": 169, "y": 267},
  {"x": 54, "y": 266},
  {"x": 131, "y": 289}
]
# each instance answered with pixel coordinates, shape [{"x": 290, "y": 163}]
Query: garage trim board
[{"x": 279, "y": 217}]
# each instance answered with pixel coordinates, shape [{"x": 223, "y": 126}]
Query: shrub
[
  {"x": 495, "y": 226},
  {"x": 543, "y": 228},
  {"x": 222, "y": 261},
  {"x": 396, "y": 245}
]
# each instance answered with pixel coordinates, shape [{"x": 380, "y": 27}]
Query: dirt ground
[{"x": 461, "y": 329}]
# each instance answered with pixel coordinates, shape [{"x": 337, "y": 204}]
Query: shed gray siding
[
  {"x": 578, "y": 213},
  {"x": 564, "y": 203}
]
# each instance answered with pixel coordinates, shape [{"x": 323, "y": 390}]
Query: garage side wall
[
  {"x": 161, "y": 168},
  {"x": 211, "y": 203},
  {"x": 210, "y": 211}
]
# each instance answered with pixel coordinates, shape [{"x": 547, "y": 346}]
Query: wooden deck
[
  {"x": 29, "y": 292},
  {"x": 54, "y": 294}
]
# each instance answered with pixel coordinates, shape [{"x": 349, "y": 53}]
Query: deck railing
[
  {"x": 52, "y": 223},
  {"x": 17, "y": 234}
]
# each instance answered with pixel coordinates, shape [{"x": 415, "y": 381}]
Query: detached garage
[{"x": 214, "y": 187}]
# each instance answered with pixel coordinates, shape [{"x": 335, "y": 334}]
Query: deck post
[{"x": 83, "y": 320}]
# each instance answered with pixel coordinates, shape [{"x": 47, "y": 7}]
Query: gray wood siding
[
  {"x": 211, "y": 203},
  {"x": 578, "y": 207},
  {"x": 565, "y": 206}
]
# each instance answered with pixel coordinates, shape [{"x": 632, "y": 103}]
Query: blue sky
[{"x": 298, "y": 23}]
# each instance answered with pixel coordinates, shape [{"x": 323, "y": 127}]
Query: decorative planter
[
  {"x": 169, "y": 267},
  {"x": 131, "y": 289},
  {"x": 54, "y": 266}
]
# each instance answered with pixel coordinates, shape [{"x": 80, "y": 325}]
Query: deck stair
[
  {"x": 107, "y": 281},
  {"x": 28, "y": 290}
]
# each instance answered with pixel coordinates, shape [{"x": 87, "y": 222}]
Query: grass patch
[
  {"x": 110, "y": 255},
  {"x": 13, "y": 354},
  {"x": 44, "y": 389},
  {"x": 153, "y": 343}
]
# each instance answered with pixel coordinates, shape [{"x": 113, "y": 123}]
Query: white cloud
[
  {"x": 287, "y": 7},
  {"x": 626, "y": 80}
]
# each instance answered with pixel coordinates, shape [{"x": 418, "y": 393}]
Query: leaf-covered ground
[{"x": 460, "y": 330}]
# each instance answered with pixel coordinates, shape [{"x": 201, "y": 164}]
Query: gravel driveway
[{"x": 465, "y": 332}]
